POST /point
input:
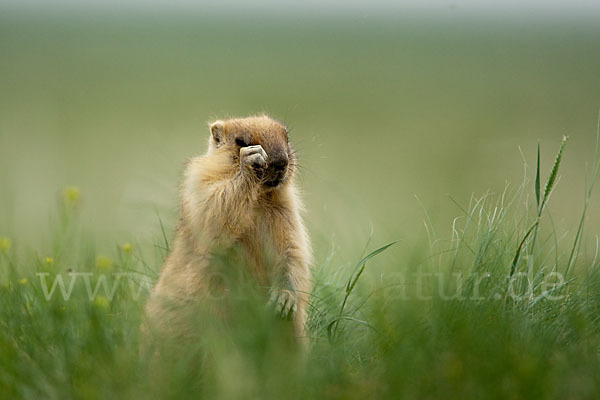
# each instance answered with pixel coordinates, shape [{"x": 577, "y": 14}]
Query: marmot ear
[{"x": 216, "y": 129}]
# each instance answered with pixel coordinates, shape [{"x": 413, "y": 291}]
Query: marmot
[{"x": 240, "y": 194}]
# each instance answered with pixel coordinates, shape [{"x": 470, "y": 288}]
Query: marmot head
[{"x": 233, "y": 134}]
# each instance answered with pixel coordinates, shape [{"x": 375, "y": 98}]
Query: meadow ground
[{"x": 423, "y": 133}]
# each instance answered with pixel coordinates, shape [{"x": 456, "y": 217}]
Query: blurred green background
[{"x": 382, "y": 110}]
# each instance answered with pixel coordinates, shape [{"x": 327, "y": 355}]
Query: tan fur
[{"x": 226, "y": 202}]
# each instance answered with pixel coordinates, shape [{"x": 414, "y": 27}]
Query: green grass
[{"x": 452, "y": 325}]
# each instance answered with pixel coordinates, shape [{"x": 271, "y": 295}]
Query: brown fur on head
[{"x": 232, "y": 134}]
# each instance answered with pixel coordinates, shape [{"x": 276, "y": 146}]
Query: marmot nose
[{"x": 279, "y": 162}]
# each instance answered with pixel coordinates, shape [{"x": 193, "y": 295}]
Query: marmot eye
[{"x": 241, "y": 142}]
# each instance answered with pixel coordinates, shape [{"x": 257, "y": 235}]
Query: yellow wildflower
[
  {"x": 126, "y": 247},
  {"x": 104, "y": 263},
  {"x": 71, "y": 195},
  {"x": 101, "y": 302},
  {"x": 5, "y": 244}
]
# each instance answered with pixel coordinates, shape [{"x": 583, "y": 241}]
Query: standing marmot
[{"x": 239, "y": 194}]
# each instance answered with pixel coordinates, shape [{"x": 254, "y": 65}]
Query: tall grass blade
[
  {"x": 333, "y": 325},
  {"x": 547, "y": 190},
  {"x": 537, "y": 178},
  {"x": 515, "y": 260},
  {"x": 367, "y": 258},
  {"x": 163, "y": 233},
  {"x": 593, "y": 179}
]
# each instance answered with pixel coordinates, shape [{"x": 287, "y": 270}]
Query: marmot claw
[
  {"x": 284, "y": 302},
  {"x": 253, "y": 157}
]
